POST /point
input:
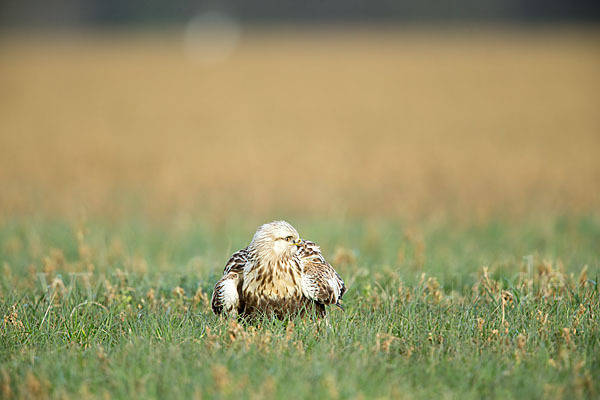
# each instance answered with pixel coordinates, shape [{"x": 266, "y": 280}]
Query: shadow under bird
[{"x": 278, "y": 274}]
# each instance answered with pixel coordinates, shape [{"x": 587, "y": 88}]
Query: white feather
[
  {"x": 309, "y": 288},
  {"x": 335, "y": 285},
  {"x": 230, "y": 294}
]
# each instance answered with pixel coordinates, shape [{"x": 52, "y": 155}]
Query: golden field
[{"x": 330, "y": 122}]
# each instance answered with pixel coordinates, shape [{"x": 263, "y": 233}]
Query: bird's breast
[
  {"x": 274, "y": 282},
  {"x": 272, "y": 289}
]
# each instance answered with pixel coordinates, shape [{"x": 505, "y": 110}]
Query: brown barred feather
[
  {"x": 224, "y": 297},
  {"x": 320, "y": 281},
  {"x": 237, "y": 261}
]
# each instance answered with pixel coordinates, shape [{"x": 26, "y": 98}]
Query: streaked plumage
[{"x": 277, "y": 274}]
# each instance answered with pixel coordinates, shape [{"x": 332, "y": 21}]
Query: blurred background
[{"x": 406, "y": 109}]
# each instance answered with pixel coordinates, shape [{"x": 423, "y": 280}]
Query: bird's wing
[
  {"x": 237, "y": 261},
  {"x": 320, "y": 282},
  {"x": 226, "y": 295}
]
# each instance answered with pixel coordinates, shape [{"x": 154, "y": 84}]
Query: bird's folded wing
[
  {"x": 226, "y": 296},
  {"x": 320, "y": 282},
  {"x": 237, "y": 261}
]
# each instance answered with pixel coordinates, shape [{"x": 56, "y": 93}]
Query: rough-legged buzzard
[{"x": 277, "y": 274}]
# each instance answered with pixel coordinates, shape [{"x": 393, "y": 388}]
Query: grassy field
[
  {"x": 497, "y": 311},
  {"x": 451, "y": 177}
]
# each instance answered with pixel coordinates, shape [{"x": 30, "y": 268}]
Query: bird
[{"x": 277, "y": 274}]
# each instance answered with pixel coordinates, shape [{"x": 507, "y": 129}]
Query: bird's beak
[{"x": 298, "y": 242}]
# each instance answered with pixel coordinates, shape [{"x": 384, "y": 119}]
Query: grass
[{"x": 433, "y": 310}]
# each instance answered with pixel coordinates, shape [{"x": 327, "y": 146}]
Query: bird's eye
[{"x": 289, "y": 238}]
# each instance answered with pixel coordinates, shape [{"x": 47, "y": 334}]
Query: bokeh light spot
[{"x": 211, "y": 37}]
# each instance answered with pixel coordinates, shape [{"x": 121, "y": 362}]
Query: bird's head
[{"x": 276, "y": 239}]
